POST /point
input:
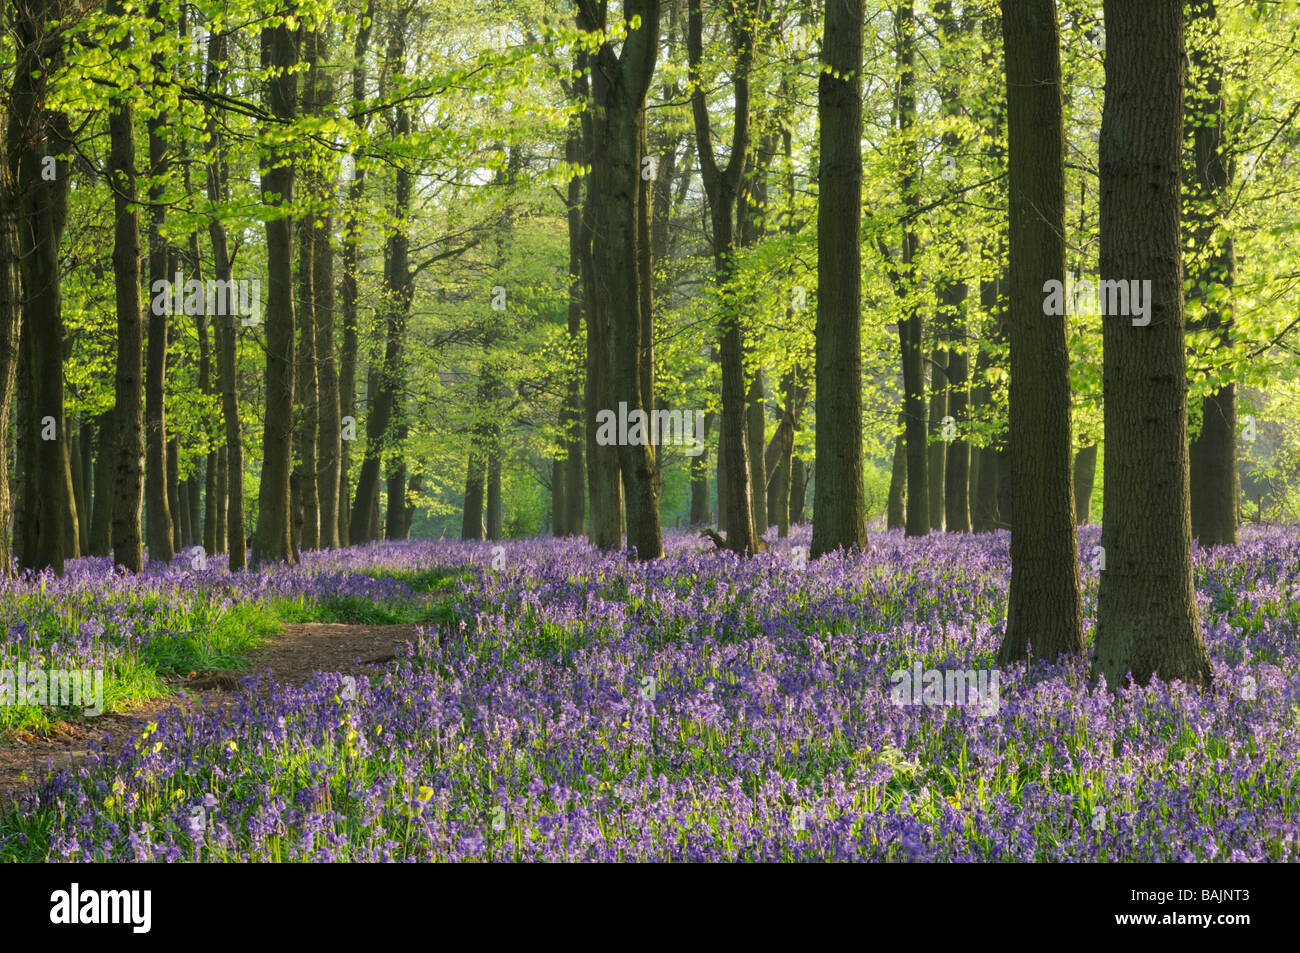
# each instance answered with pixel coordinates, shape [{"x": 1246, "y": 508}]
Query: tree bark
[
  {"x": 307, "y": 514},
  {"x": 399, "y": 289},
  {"x": 1085, "y": 472},
  {"x": 722, "y": 185},
  {"x": 159, "y": 531},
  {"x": 231, "y": 518},
  {"x": 839, "y": 509},
  {"x": 1146, "y": 605},
  {"x": 128, "y": 446},
  {"x": 272, "y": 541},
  {"x": 34, "y": 133},
  {"x": 471, "y": 526},
  {"x": 1044, "y": 618},
  {"x": 910, "y": 331},
  {"x": 1215, "y": 484},
  {"x": 350, "y": 258},
  {"x": 10, "y": 327},
  {"x": 101, "y": 523},
  {"x": 620, "y": 307}
]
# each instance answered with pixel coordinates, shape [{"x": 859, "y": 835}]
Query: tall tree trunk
[
  {"x": 76, "y": 432},
  {"x": 895, "y": 514},
  {"x": 10, "y": 326},
  {"x": 1146, "y": 604},
  {"x": 936, "y": 447},
  {"x": 471, "y": 526},
  {"x": 307, "y": 516},
  {"x": 230, "y": 516},
  {"x": 910, "y": 331},
  {"x": 701, "y": 510},
  {"x": 723, "y": 188},
  {"x": 173, "y": 493},
  {"x": 159, "y": 531},
  {"x": 495, "y": 517},
  {"x": 839, "y": 509},
  {"x": 399, "y": 288},
  {"x": 101, "y": 523},
  {"x": 1085, "y": 472},
  {"x": 621, "y": 250},
  {"x": 984, "y": 478},
  {"x": 223, "y": 500},
  {"x": 396, "y": 510},
  {"x": 1215, "y": 484},
  {"x": 273, "y": 539},
  {"x": 34, "y": 133},
  {"x": 128, "y": 447},
  {"x": 570, "y": 518},
  {"x": 798, "y": 490},
  {"x": 1044, "y": 617},
  {"x": 777, "y": 460},
  {"x": 329, "y": 447}
]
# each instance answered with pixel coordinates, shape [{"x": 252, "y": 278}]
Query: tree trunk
[
  {"x": 839, "y": 509},
  {"x": 273, "y": 539},
  {"x": 570, "y": 518},
  {"x": 1215, "y": 484},
  {"x": 777, "y": 460},
  {"x": 101, "y": 523},
  {"x": 936, "y": 447},
  {"x": 128, "y": 444},
  {"x": 399, "y": 288},
  {"x": 471, "y": 525},
  {"x": 1044, "y": 617},
  {"x": 10, "y": 326},
  {"x": 307, "y": 515},
  {"x": 34, "y": 133},
  {"x": 910, "y": 332},
  {"x": 798, "y": 490},
  {"x": 174, "y": 494},
  {"x": 224, "y": 326},
  {"x": 952, "y": 303},
  {"x": 1146, "y": 604},
  {"x": 621, "y": 250},
  {"x": 211, "y": 497},
  {"x": 348, "y": 286},
  {"x": 1085, "y": 472},
  {"x": 223, "y": 500},
  {"x": 722, "y": 186},
  {"x": 701, "y": 510},
  {"x": 495, "y": 518},
  {"x": 895, "y": 514},
  {"x": 79, "y": 487},
  {"x": 159, "y": 531}
]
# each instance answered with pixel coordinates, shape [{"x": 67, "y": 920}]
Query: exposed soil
[{"x": 293, "y": 656}]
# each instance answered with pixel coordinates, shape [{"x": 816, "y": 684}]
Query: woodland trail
[{"x": 291, "y": 657}]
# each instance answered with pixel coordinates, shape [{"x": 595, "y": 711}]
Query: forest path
[{"x": 293, "y": 656}]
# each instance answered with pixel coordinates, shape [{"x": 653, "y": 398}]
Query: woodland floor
[{"x": 292, "y": 657}]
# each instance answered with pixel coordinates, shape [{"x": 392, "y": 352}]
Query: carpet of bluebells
[{"x": 575, "y": 706}]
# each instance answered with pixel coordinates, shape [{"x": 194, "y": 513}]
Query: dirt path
[{"x": 293, "y": 657}]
